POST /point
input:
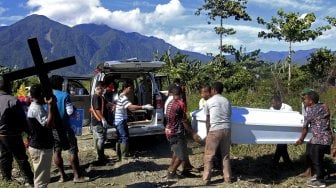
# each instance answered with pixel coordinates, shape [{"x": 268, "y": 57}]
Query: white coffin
[{"x": 258, "y": 126}]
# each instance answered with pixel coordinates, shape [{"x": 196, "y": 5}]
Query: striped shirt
[{"x": 121, "y": 108}]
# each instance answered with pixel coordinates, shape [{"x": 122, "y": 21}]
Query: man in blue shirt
[{"x": 65, "y": 109}]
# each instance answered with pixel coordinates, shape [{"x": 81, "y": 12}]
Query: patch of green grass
[{"x": 10, "y": 184}]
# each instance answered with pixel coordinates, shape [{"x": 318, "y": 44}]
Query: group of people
[
  {"x": 101, "y": 106},
  {"x": 49, "y": 133},
  {"x": 317, "y": 118},
  {"x": 217, "y": 109},
  {"x": 47, "y": 124},
  {"x": 218, "y": 140}
]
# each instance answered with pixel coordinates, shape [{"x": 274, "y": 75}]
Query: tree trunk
[
  {"x": 221, "y": 38},
  {"x": 289, "y": 63}
]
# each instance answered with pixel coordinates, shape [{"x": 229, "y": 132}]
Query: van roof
[{"x": 130, "y": 65}]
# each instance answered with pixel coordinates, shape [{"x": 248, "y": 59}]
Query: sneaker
[
  {"x": 313, "y": 178},
  {"x": 316, "y": 183},
  {"x": 172, "y": 175},
  {"x": 325, "y": 177}
]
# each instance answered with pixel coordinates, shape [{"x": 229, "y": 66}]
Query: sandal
[
  {"x": 81, "y": 179},
  {"x": 63, "y": 179}
]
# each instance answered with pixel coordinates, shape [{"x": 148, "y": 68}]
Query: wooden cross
[{"x": 41, "y": 69}]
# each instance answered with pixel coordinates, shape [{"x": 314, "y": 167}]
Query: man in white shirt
[
  {"x": 218, "y": 123},
  {"x": 281, "y": 149}
]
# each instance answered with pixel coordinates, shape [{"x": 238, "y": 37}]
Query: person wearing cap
[
  {"x": 317, "y": 120},
  {"x": 120, "y": 119},
  {"x": 308, "y": 172},
  {"x": 12, "y": 124},
  {"x": 305, "y": 90}
]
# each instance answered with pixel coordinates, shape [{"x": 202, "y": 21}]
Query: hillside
[
  {"x": 92, "y": 44},
  {"x": 89, "y": 43},
  {"x": 299, "y": 57}
]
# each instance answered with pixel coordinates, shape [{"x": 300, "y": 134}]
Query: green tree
[
  {"x": 4, "y": 69},
  {"x": 331, "y": 20},
  {"x": 291, "y": 27},
  {"x": 321, "y": 64},
  {"x": 224, "y": 9},
  {"x": 179, "y": 66}
]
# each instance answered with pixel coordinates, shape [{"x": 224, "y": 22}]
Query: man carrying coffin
[{"x": 281, "y": 149}]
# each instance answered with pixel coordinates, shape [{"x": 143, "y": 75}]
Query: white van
[{"x": 146, "y": 91}]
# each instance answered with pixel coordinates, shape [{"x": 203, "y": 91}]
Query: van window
[
  {"x": 162, "y": 81},
  {"x": 75, "y": 87}
]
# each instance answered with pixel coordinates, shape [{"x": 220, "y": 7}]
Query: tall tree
[
  {"x": 321, "y": 64},
  {"x": 291, "y": 27},
  {"x": 224, "y": 9}
]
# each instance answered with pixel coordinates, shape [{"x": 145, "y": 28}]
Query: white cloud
[
  {"x": 165, "y": 12},
  {"x": 173, "y": 22},
  {"x": 2, "y": 10},
  {"x": 310, "y": 5},
  {"x": 91, "y": 11},
  {"x": 10, "y": 18},
  {"x": 201, "y": 41},
  {"x": 196, "y": 40},
  {"x": 328, "y": 35}
]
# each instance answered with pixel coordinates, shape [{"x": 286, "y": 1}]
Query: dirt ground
[{"x": 149, "y": 163}]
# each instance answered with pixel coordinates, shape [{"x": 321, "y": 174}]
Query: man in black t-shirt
[{"x": 99, "y": 123}]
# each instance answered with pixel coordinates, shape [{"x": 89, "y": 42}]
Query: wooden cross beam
[{"x": 40, "y": 69}]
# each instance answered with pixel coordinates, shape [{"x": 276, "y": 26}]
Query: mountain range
[{"x": 91, "y": 44}]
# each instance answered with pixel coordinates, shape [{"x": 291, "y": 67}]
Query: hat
[{"x": 306, "y": 90}]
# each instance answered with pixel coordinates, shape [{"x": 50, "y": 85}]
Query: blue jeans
[{"x": 122, "y": 132}]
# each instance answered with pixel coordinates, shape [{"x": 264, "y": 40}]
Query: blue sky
[{"x": 174, "y": 20}]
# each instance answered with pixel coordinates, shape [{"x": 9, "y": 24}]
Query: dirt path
[{"x": 148, "y": 168}]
